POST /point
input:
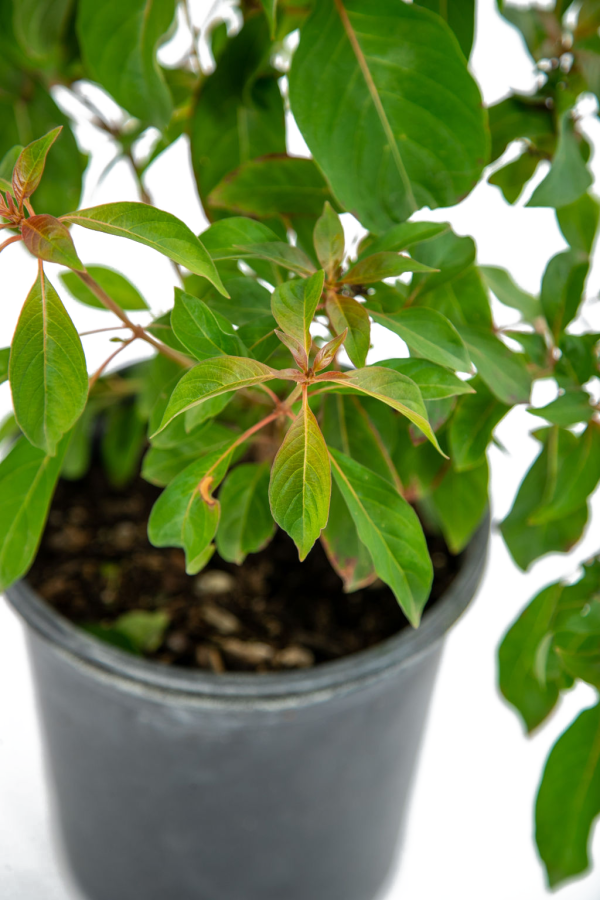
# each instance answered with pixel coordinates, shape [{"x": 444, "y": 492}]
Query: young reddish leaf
[
  {"x": 384, "y": 264},
  {"x": 300, "y": 487},
  {"x": 391, "y": 531},
  {"x": 156, "y": 229},
  {"x": 326, "y": 354},
  {"x": 392, "y": 388},
  {"x": 347, "y": 313},
  {"x": 47, "y": 370},
  {"x": 47, "y": 238},
  {"x": 294, "y": 304},
  {"x": 295, "y": 347},
  {"x": 29, "y": 167},
  {"x": 214, "y": 377},
  {"x": 329, "y": 241}
]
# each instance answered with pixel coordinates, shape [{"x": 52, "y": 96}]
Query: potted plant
[{"x": 258, "y": 417}]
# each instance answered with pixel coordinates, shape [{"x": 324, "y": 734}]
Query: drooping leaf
[
  {"x": 347, "y": 313},
  {"x": 345, "y": 550},
  {"x": 246, "y": 524},
  {"x": 501, "y": 283},
  {"x": 460, "y": 16},
  {"x": 579, "y": 223},
  {"x": 47, "y": 238},
  {"x": 162, "y": 463},
  {"x": 390, "y": 387},
  {"x": 329, "y": 241},
  {"x": 568, "y": 801},
  {"x": 156, "y": 229},
  {"x": 293, "y": 305},
  {"x": 379, "y": 266},
  {"x": 512, "y": 178},
  {"x": 223, "y": 239},
  {"x": 187, "y": 516},
  {"x": 300, "y": 486},
  {"x": 277, "y": 185},
  {"x": 27, "y": 479},
  {"x": 204, "y": 333},
  {"x": 568, "y": 409},
  {"x": 460, "y": 501},
  {"x": 504, "y": 372},
  {"x": 428, "y": 333},
  {"x": 562, "y": 289},
  {"x": 405, "y": 139},
  {"x": 47, "y": 370},
  {"x": 435, "y": 382},
  {"x": 211, "y": 378},
  {"x": 239, "y": 113},
  {"x": 577, "y": 475},
  {"x": 472, "y": 427},
  {"x": 527, "y": 541},
  {"x": 391, "y": 531},
  {"x": 569, "y": 176},
  {"x": 119, "y": 39},
  {"x": 119, "y": 288},
  {"x": 30, "y": 164},
  {"x": 533, "y": 697}
]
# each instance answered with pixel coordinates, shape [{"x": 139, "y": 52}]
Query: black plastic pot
[{"x": 194, "y": 786}]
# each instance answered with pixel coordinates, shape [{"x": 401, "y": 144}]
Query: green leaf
[
  {"x": 401, "y": 237},
  {"x": 533, "y": 698},
  {"x": 391, "y": 531},
  {"x": 464, "y": 300},
  {"x": 39, "y": 26},
  {"x": 294, "y": 304},
  {"x": 504, "y": 372},
  {"x": 526, "y": 540},
  {"x": 122, "y": 444},
  {"x": 579, "y": 223},
  {"x": 280, "y": 253},
  {"x": 239, "y": 113},
  {"x": 277, "y": 185},
  {"x": 576, "y": 476},
  {"x": 211, "y": 378},
  {"x": 578, "y": 362},
  {"x": 27, "y": 480},
  {"x": 435, "y": 382},
  {"x": 512, "y": 178},
  {"x": 569, "y": 176},
  {"x": 223, "y": 239},
  {"x": 521, "y": 116},
  {"x": 119, "y": 39},
  {"x": 4, "y": 361},
  {"x": 460, "y": 16},
  {"x": 270, "y": 8},
  {"x": 144, "y": 629},
  {"x": 157, "y": 229},
  {"x": 202, "y": 332},
  {"x": 162, "y": 463},
  {"x": 182, "y": 517},
  {"x": 47, "y": 238},
  {"x": 381, "y": 265},
  {"x": 246, "y": 524},
  {"x": 116, "y": 286},
  {"x": 448, "y": 254},
  {"x": 345, "y": 551},
  {"x": 568, "y": 409},
  {"x": 47, "y": 369},
  {"x": 260, "y": 338},
  {"x": 472, "y": 427},
  {"x": 501, "y": 283},
  {"x": 329, "y": 240},
  {"x": 562, "y": 289},
  {"x": 428, "y": 333},
  {"x": 390, "y": 387},
  {"x": 568, "y": 801},
  {"x": 248, "y": 300},
  {"x": 413, "y": 131},
  {"x": 30, "y": 164},
  {"x": 577, "y": 644},
  {"x": 347, "y": 313},
  {"x": 7, "y": 164},
  {"x": 460, "y": 502},
  {"x": 300, "y": 486}
]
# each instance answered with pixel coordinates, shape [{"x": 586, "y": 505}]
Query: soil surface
[{"x": 272, "y": 613}]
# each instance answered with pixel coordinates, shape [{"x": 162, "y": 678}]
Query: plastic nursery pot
[{"x": 196, "y": 786}]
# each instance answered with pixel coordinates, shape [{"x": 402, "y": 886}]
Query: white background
[{"x": 470, "y": 828}]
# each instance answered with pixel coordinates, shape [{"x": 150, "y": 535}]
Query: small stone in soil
[
  {"x": 220, "y": 619},
  {"x": 214, "y": 581},
  {"x": 250, "y": 652},
  {"x": 208, "y": 657},
  {"x": 294, "y": 657}
]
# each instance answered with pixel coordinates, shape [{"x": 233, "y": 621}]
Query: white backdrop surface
[{"x": 471, "y": 821}]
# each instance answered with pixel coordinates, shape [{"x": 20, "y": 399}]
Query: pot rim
[{"x": 338, "y": 676}]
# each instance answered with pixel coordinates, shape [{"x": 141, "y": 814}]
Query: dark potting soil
[{"x": 271, "y": 613}]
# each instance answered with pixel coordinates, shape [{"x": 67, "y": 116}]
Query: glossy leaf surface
[{"x": 294, "y": 303}]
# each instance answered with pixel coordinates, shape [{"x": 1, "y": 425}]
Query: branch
[{"x": 94, "y": 378}]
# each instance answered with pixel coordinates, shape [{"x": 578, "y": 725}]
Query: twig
[
  {"x": 94, "y": 378},
  {"x": 100, "y": 330}
]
